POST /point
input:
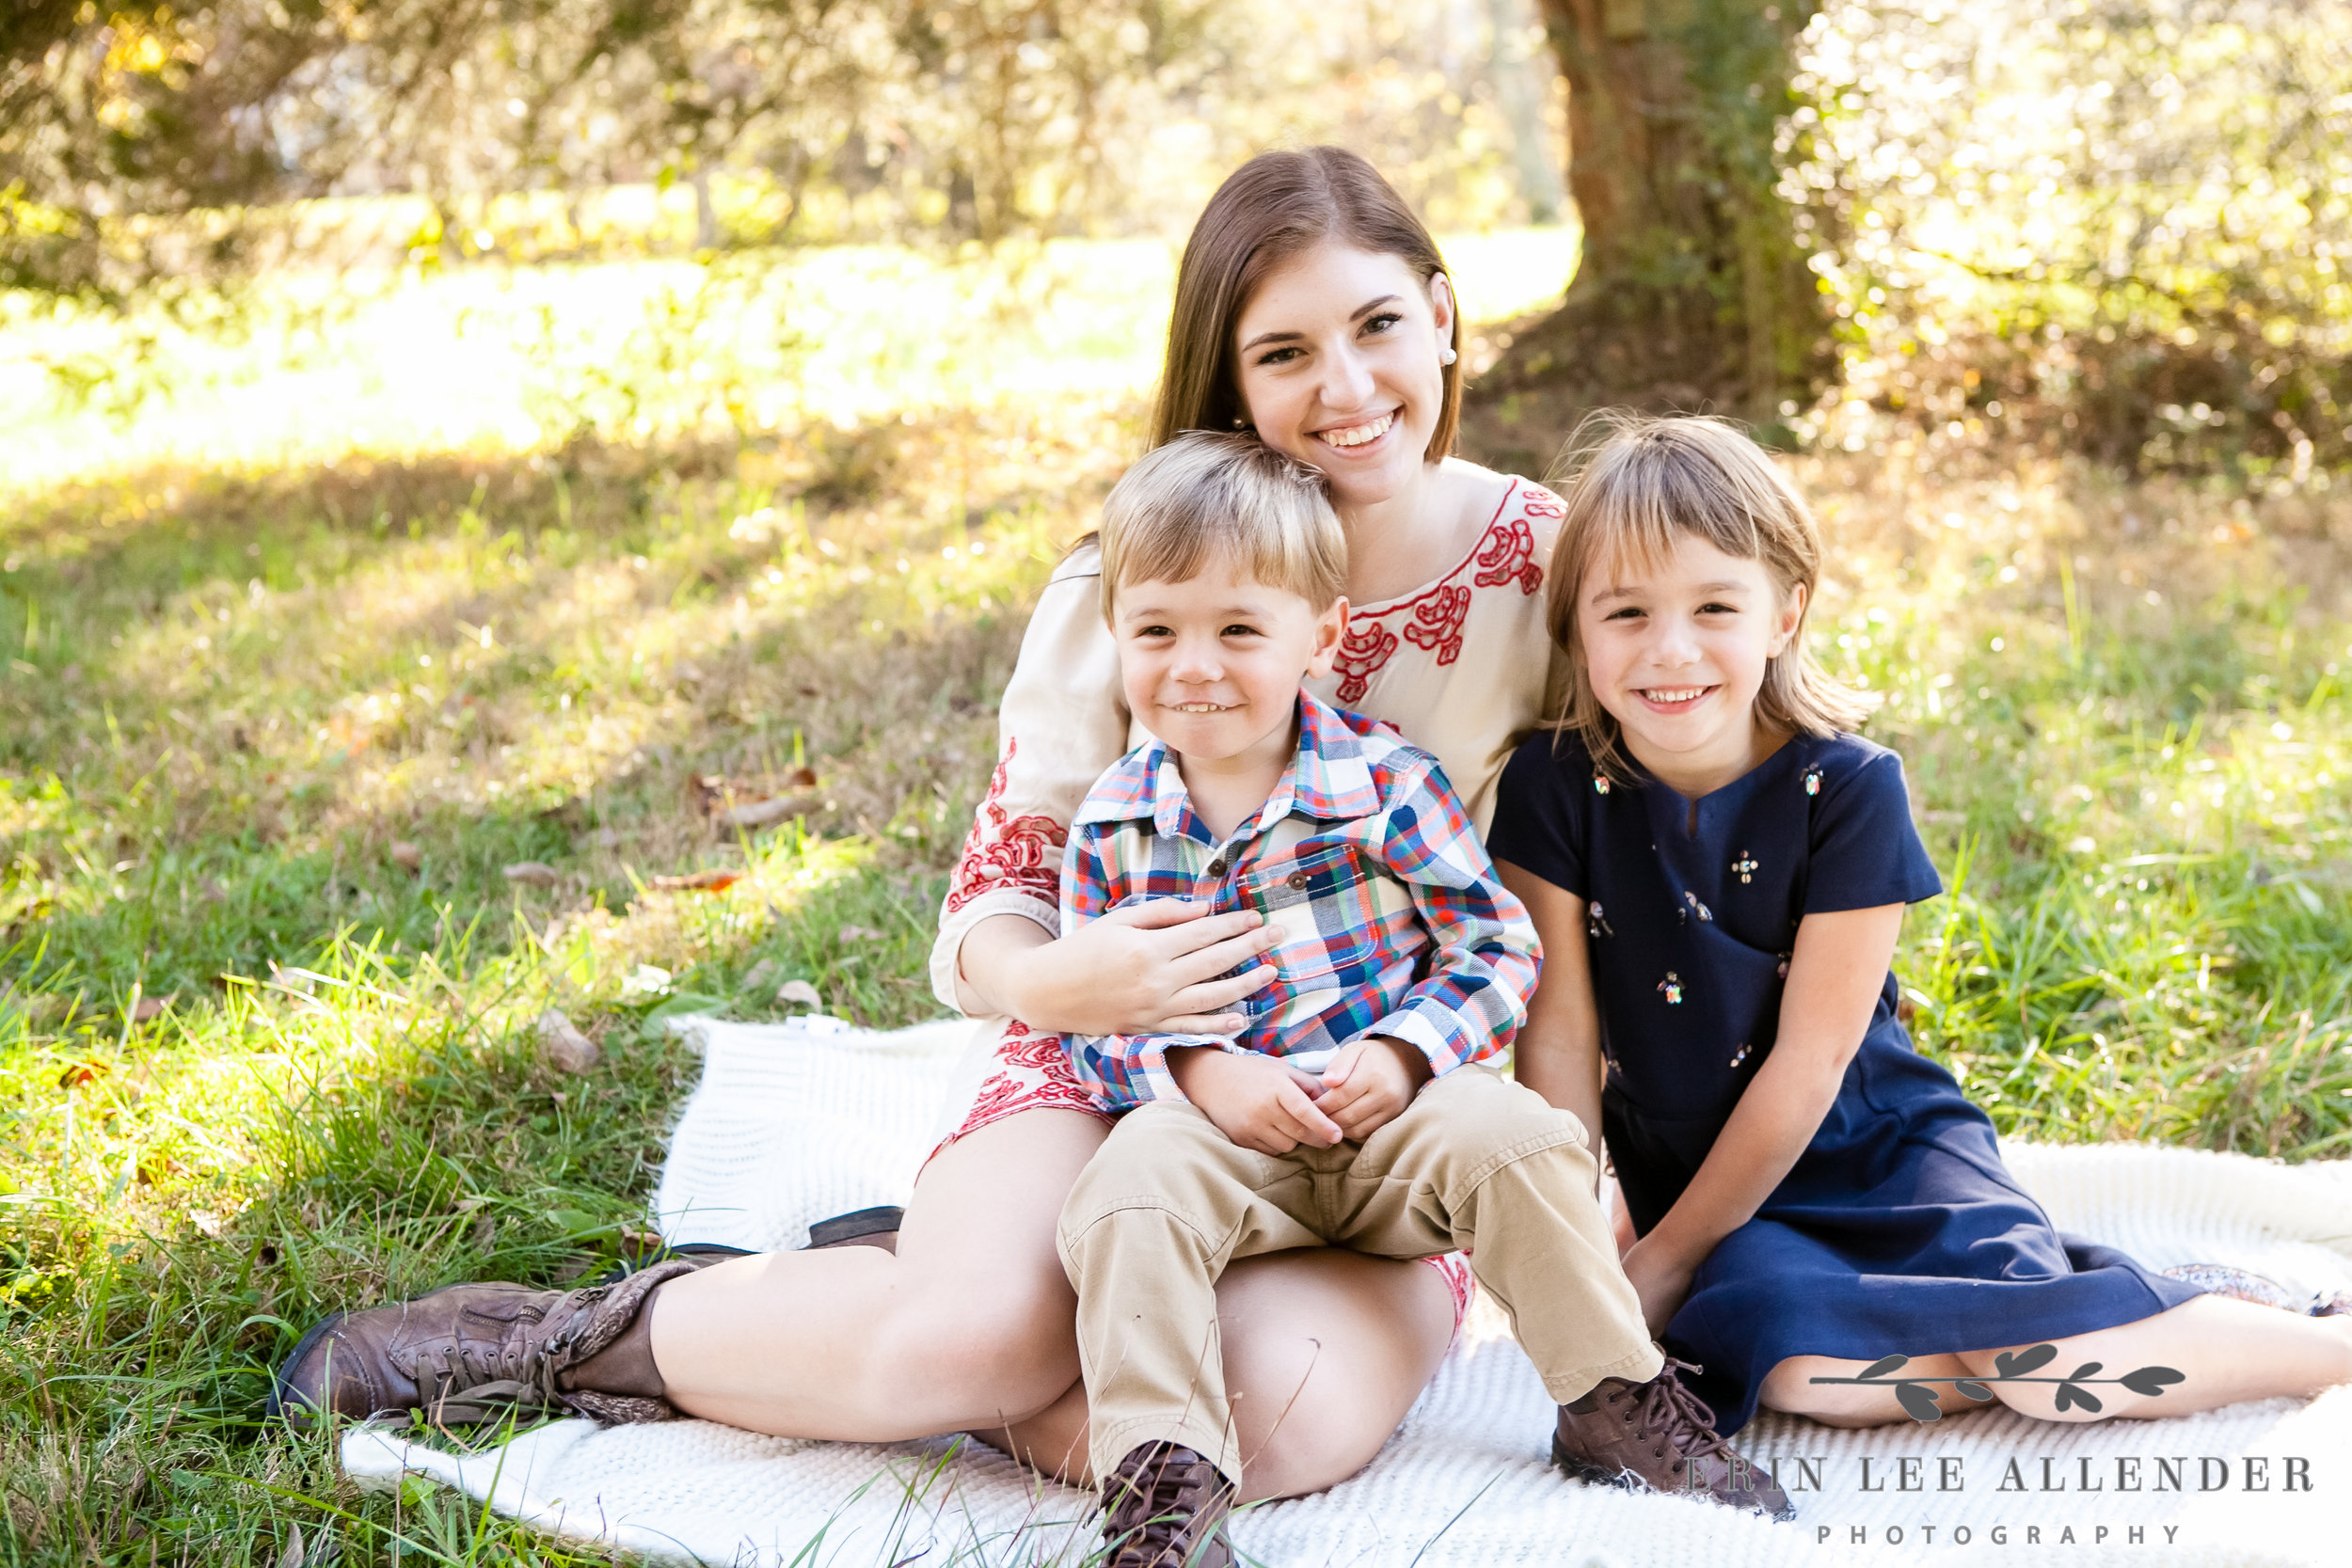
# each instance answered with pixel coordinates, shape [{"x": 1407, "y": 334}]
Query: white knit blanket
[{"x": 792, "y": 1123}]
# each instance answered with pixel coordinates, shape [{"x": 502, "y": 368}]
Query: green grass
[
  {"x": 234, "y": 695},
  {"x": 2124, "y": 714}
]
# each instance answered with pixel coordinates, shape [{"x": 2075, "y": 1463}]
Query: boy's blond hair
[
  {"x": 1635, "y": 485},
  {"x": 1206, "y": 496}
]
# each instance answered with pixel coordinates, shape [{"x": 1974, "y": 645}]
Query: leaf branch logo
[{"x": 2009, "y": 1366}]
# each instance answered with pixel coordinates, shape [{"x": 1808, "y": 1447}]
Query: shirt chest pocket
[{"x": 1329, "y": 908}]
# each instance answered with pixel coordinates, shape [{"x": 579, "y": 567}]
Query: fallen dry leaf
[
  {"x": 699, "y": 881},
  {"x": 766, "y": 814},
  {"x": 78, "y": 1073},
  {"x": 800, "y": 992},
  {"x": 407, "y": 856},
  {"x": 719, "y": 797},
  {"x": 151, "y": 1007},
  {"x": 859, "y": 933},
  {"x": 566, "y": 1046},
  {"x": 760, "y": 973},
  {"x": 532, "y": 873}
]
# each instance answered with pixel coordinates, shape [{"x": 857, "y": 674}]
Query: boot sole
[
  {"x": 1593, "y": 1475},
  {"x": 856, "y": 1227},
  {"x": 703, "y": 1254},
  {"x": 279, "y": 1389}
]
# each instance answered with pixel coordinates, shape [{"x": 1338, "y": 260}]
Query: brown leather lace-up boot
[
  {"x": 1165, "y": 1507},
  {"x": 1656, "y": 1437},
  {"x": 473, "y": 1353}
]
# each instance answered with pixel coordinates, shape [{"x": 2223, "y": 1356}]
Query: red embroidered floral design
[
  {"x": 990, "y": 1103},
  {"x": 1033, "y": 1074},
  {"x": 1438, "y": 617},
  {"x": 1008, "y": 853},
  {"x": 1507, "y": 554},
  {"x": 1362, "y": 651},
  {"x": 1042, "y": 1053}
]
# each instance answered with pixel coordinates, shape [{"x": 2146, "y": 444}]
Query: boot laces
[
  {"x": 1665, "y": 1409},
  {"x": 519, "y": 1369},
  {"x": 1171, "y": 1495}
]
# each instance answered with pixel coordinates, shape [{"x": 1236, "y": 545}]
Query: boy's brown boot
[
  {"x": 1165, "y": 1507},
  {"x": 470, "y": 1352},
  {"x": 1656, "y": 1437}
]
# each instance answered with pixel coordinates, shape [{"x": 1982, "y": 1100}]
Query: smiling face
[
  {"x": 1213, "y": 665},
  {"x": 1676, "y": 650},
  {"x": 1337, "y": 360}
]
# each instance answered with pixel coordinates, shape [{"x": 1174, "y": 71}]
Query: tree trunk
[{"x": 1692, "y": 292}]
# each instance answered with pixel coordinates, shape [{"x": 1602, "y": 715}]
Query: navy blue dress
[{"x": 1898, "y": 1231}]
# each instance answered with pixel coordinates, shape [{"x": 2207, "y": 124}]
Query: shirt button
[
  {"x": 1216, "y": 867},
  {"x": 1300, "y": 880}
]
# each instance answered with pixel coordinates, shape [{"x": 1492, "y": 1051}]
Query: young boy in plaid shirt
[{"x": 1352, "y": 1108}]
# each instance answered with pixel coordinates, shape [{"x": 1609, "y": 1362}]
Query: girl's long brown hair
[{"x": 1273, "y": 208}]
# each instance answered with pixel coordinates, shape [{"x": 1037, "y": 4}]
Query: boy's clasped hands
[{"x": 1263, "y": 1102}]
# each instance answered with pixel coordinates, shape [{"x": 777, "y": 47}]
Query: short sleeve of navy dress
[{"x": 1898, "y": 1231}]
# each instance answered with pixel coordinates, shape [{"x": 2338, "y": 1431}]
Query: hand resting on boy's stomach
[{"x": 1149, "y": 968}]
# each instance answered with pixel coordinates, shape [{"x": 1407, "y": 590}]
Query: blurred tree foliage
[
  {"x": 827, "y": 119},
  {"x": 2125, "y": 221},
  {"x": 2117, "y": 226}
]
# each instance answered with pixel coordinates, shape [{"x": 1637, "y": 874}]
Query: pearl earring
[{"x": 1446, "y": 356}]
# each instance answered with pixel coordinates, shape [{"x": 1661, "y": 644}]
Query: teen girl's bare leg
[
  {"x": 970, "y": 1323},
  {"x": 1325, "y": 1352},
  {"x": 971, "y": 1326},
  {"x": 2226, "y": 1351}
]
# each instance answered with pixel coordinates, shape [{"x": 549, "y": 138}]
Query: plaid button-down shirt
[{"x": 1393, "y": 922}]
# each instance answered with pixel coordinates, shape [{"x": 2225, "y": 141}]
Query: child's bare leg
[
  {"x": 1326, "y": 1350},
  {"x": 2226, "y": 1351},
  {"x": 1789, "y": 1387}
]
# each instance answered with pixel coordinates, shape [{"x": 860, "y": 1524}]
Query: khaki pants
[{"x": 1475, "y": 1161}]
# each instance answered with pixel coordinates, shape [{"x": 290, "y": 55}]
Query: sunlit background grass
[{"x": 553, "y": 569}]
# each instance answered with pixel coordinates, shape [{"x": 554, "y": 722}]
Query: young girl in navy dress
[{"x": 1719, "y": 872}]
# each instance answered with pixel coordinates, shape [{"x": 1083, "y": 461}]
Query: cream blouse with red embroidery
[{"x": 1461, "y": 666}]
